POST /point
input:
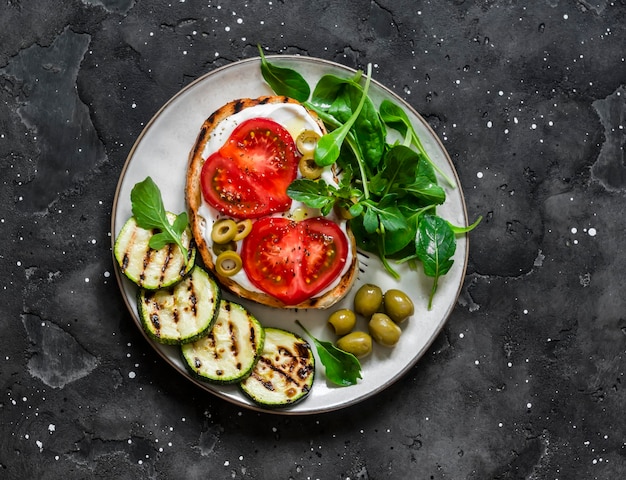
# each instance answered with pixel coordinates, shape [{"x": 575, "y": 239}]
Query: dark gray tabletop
[{"x": 526, "y": 380}]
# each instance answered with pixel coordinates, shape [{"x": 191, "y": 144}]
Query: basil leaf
[
  {"x": 147, "y": 205},
  {"x": 435, "y": 245},
  {"x": 341, "y": 368},
  {"x": 149, "y": 212}
]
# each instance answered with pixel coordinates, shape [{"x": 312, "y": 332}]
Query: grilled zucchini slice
[
  {"x": 284, "y": 373},
  {"x": 149, "y": 268},
  {"x": 230, "y": 350},
  {"x": 181, "y": 313}
]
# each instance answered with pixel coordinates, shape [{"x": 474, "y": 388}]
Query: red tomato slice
[
  {"x": 249, "y": 175},
  {"x": 291, "y": 260}
]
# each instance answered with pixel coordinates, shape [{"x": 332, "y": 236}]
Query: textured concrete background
[{"x": 527, "y": 379}]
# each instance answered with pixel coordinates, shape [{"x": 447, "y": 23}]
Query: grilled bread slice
[{"x": 198, "y": 222}]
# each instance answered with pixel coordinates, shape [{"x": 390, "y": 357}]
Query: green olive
[
  {"x": 368, "y": 299},
  {"x": 308, "y": 168},
  {"x": 342, "y": 321},
  {"x": 223, "y": 247},
  {"x": 224, "y": 230},
  {"x": 398, "y": 305},
  {"x": 307, "y": 141},
  {"x": 228, "y": 263},
  {"x": 244, "y": 227},
  {"x": 384, "y": 330},
  {"x": 358, "y": 344}
]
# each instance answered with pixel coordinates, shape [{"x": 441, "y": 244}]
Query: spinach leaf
[
  {"x": 149, "y": 212},
  {"x": 328, "y": 87},
  {"x": 341, "y": 368},
  {"x": 368, "y": 129},
  {"x": 329, "y": 145},
  {"x": 395, "y": 117},
  {"x": 461, "y": 230},
  {"x": 284, "y": 81},
  {"x": 397, "y": 170},
  {"x": 435, "y": 245}
]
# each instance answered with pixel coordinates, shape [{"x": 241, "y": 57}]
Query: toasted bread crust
[{"x": 193, "y": 192}]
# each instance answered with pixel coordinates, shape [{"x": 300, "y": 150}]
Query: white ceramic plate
[{"x": 162, "y": 152}]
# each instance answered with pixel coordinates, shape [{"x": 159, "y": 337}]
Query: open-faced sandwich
[{"x": 258, "y": 242}]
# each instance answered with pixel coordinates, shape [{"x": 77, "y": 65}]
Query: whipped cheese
[{"x": 295, "y": 119}]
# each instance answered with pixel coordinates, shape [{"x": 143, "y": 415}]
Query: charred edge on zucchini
[
  {"x": 172, "y": 317},
  {"x": 284, "y": 373},
  {"x": 230, "y": 350}
]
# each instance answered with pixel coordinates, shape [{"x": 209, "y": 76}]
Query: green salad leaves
[
  {"x": 341, "y": 368},
  {"x": 389, "y": 189}
]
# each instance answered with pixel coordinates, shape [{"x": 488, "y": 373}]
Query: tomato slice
[
  {"x": 249, "y": 175},
  {"x": 291, "y": 260}
]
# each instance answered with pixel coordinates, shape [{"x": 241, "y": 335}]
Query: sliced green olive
[
  {"x": 223, "y": 247},
  {"x": 224, "y": 230},
  {"x": 243, "y": 229},
  {"x": 398, "y": 305},
  {"x": 307, "y": 141},
  {"x": 358, "y": 344},
  {"x": 384, "y": 330},
  {"x": 308, "y": 168},
  {"x": 342, "y": 321},
  {"x": 368, "y": 299},
  {"x": 228, "y": 263}
]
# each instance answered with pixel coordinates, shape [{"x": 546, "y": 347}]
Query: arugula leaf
[
  {"x": 329, "y": 145},
  {"x": 315, "y": 194},
  {"x": 435, "y": 245},
  {"x": 284, "y": 81},
  {"x": 149, "y": 212},
  {"x": 341, "y": 368}
]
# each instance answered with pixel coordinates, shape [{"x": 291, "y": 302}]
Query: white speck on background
[
  {"x": 131, "y": 375},
  {"x": 592, "y": 232}
]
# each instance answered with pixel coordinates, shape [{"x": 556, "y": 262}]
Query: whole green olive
[
  {"x": 358, "y": 344},
  {"x": 398, "y": 305},
  {"x": 342, "y": 321},
  {"x": 384, "y": 330},
  {"x": 368, "y": 299}
]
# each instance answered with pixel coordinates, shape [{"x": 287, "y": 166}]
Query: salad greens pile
[{"x": 389, "y": 191}]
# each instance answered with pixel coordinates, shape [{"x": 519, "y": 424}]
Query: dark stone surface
[{"x": 527, "y": 378}]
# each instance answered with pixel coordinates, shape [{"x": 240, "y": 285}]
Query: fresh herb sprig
[
  {"x": 390, "y": 190},
  {"x": 341, "y": 368},
  {"x": 149, "y": 212}
]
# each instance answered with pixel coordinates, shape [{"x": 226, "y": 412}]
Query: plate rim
[{"x": 288, "y": 410}]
